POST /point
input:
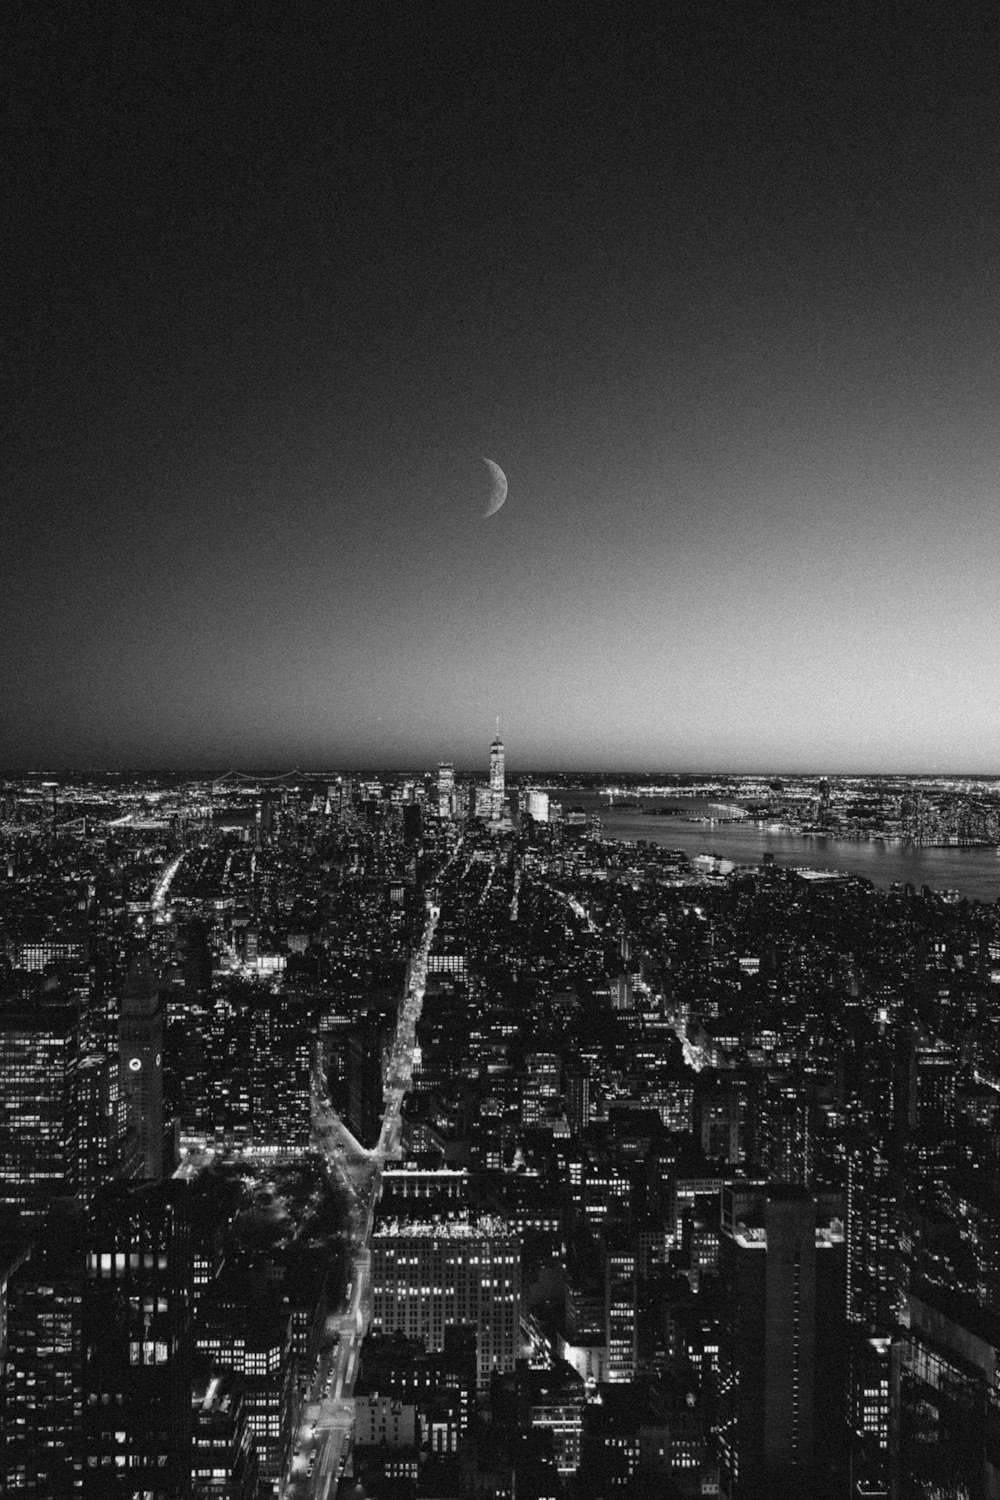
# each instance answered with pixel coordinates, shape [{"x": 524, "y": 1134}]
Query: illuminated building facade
[
  {"x": 873, "y": 1231},
  {"x": 557, "y": 1406},
  {"x": 620, "y": 1308},
  {"x": 576, "y": 1078},
  {"x": 428, "y": 1276},
  {"x": 383, "y": 1420},
  {"x": 39, "y": 1107},
  {"x": 40, "y": 1451},
  {"x": 224, "y": 1461},
  {"x": 497, "y": 783},
  {"x": 537, "y": 806},
  {"x": 256, "y": 1344},
  {"x": 140, "y": 1043},
  {"x": 446, "y": 789},
  {"x": 103, "y": 1126},
  {"x": 869, "y": 1417},
  {"x": 540, "y": 1086},
  {"x": 137, "y": 1342},
  {"x": 439, "y": 1386}
]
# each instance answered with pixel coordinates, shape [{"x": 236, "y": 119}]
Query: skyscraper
[
  {"x": 140, "y": 1040},
  {"x": 40, "y": 1450},
  {"x": 873, "y": 1230},
  {"x": 620, "y": 1325},
  {"x": 537, "y": 805},
  {"x": 496, "y": 776},
  {"x": 446, "y": 789},
  {"x": 781, "y": 1257},
  {"x": 103, "y": 1126},
  {"x": 430, "y": 1275},
  {"x": 39, "y": 1118},
  {"x": 138, "y": 1343}
]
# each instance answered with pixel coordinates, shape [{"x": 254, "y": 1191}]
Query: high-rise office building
[
  {"x": 720, "y": 1105},
  {"x": 413, "y": 825},
  {"x": 497, "y": 785},
  {"x": 539, "y": 1085},
  {"x": 138, "y": 1344},
  {"x": 446, "y": 789},
  {"x": 576, "y": 1080},
  {"x": 140, "y": 1043},
  {"x": 537, "y": 805},
  {"x": 107, "y": 1147},
  {"x": 428, "y": 1276},
  {"x": 781, "y": 1345},
  {"x": 942, "y": 1396},
  {"x": 620, "y": 1305},
  {"x": 40, "y": 1448},
  {"x": 783, "y": 1130},
  {"x": 934, "y": 1068},
  {"x": 873, "y": 1230},
  {"x": 39, "y": 1113},
  {"x": 255, "y": 1341},
  {"x": 869, "y": 1416},
  {"x": 365, "y": 1070},
  {"x": 243, "y": 1070},
  {"x": 224, "y": 1463}
]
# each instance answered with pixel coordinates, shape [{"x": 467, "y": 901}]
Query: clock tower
[{"x": 140, "y": 1050}]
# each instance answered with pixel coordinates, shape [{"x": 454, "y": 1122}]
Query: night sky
[{"x": 715, "y": 284}]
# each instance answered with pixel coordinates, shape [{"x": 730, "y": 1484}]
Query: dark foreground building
[
  {"x": 780, "y": 1358},
  {"x": 138, "y": 1344},
  {"x": 98, "y": 1379}
]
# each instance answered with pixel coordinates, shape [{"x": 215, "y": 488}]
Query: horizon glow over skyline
[{"x": 715, "y": 293}]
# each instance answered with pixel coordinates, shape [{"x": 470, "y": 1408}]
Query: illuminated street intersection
[{"x": 324, "y": 1438}]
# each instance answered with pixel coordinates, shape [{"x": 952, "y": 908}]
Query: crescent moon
[{"x": 498, "y": 488}]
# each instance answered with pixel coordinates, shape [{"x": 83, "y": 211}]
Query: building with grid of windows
[
  {"x": 40, "y": 1451},
  {"x": 440, "y": 1387},
  {"x": 137, "y": 1343},
  {"x": 497, "y": 786},
  {"x": 430, "y": 1275},
  {"x": 224, "y": 1458},
  {"x": 255, "y": 1342},
  {"x": 106, "y": 1147},
  {"x": 39, "y": 1106},
  {"x": 944, "y": 1395},
  {"x": 446, "y": 789},
  {"x": 620, "y": 1306}
]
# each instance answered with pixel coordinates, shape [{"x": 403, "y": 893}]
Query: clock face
[{"x": 135, "y": 1063}]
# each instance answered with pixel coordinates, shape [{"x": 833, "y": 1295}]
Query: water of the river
[{"x": 972, "y": 872}]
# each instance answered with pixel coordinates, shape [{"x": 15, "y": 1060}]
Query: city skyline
[
  {"x": 374, "y": 1136},
  {"x": 712, "y": 290}
]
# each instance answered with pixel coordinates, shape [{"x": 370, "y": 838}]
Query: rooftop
[{"x": 482, "y": 1227}]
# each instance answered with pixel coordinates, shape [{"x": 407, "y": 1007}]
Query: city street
[{"x": 324, "y": 1437}]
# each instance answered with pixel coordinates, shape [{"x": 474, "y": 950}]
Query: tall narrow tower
[
  {"x": 140, "y": 1043},
  {"x": 496, "y": 776},
  {"x": 781, "y": 1257},
  {"x": 39, "y": 1087},
  {"x": 446, "y": 789}
]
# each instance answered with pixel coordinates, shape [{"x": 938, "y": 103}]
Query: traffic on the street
[{"x": 326, "y": 1429}]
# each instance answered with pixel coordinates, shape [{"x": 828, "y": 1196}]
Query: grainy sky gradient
[{"x": 716, "y": 285}]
